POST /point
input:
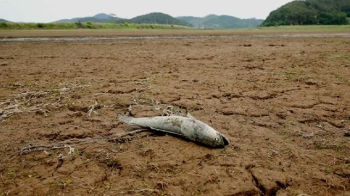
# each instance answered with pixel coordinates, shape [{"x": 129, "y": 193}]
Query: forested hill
[
  {"x": 2, "y": 20},
  {"x": 220, "y": 22},
  {"x": 310, "y": 12},
  {"x": 98, "y": 18},
  {"x": 151, "y": 18},
  {"x": 211, "y": 21},
  {"x": 157, "y": 18}
]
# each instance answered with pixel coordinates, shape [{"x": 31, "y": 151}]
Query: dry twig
[
  {"x": 64, "y": 144},
  {"x": 92, "y": 108},
  {"x": 34, "y": 148},
  {"x": 27, "y": 101}
]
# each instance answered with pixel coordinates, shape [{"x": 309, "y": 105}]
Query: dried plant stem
[
  {"x": 92, "y": 108},
  {"x": 65, "y": 144}
]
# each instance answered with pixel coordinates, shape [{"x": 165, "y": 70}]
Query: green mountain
[
  {"x": 2, "y": 20},
  {"x": 158, "y": 18},
  {"x": 152, "y": 18},
  {"x": 209, "y": 22},
  {"x": 309, "y": 12},
  {"x": 103, "y": 16},
  {"x": 98, "y": 18},
  {"x": 220, "y": 22}
]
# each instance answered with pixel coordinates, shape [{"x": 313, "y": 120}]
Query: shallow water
[{"x": 80, "y": 39}]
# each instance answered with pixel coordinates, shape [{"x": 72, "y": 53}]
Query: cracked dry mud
[{"x": 283, "y": 102}]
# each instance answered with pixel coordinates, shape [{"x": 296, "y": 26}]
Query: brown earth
[{"x": 283, "y": 103}]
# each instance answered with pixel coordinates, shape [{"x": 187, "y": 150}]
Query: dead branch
[
  {"x": 9, "y": 111},
  {"x": 65, "y": 144},
  {"x": 91, "y": 108},
  {"x": 143, "y": 190},
  {"x": 73, "y": 88},
  {"x": 308, "y": 136},
  {"x": 31, "y": 148},
  {"x": 25, "y": 101},
  {"x": 321, "y": 127}
]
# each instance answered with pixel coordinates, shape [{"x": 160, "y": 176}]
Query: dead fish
[{"x": 186, "y": 127}]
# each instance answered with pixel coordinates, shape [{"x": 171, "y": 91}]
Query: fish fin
[
  {"x": 165, "y": 131},
  {"x": 125, "y": 119},
  {"x": 190, "y": 116}
]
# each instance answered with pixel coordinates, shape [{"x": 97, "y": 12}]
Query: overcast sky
[{"x": 52, "y": 10}]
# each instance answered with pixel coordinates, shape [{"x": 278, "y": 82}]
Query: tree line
[{"x": 310, "y": 12}]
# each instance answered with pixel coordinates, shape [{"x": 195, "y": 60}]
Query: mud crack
[{"x": 267, "y": 181}]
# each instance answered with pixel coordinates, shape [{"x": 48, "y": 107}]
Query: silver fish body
[{"x": 187, "y": 127}]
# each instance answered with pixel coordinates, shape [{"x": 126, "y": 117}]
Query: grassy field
[
  {"x": 86, "y": 25},
  {"x": 314, "y": 28},
  {"x": 166, "y": 30}
]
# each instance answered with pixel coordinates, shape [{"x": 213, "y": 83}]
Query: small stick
[
  {"x": 92, "y": 107},
  {"x": 64, "y": 144},
  {"x": 143, "y": 190},
  {"x": 93, "y": 140},
  {"x": 31, "y": 148}
]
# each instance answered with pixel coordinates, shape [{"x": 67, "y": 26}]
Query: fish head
[
  {"x": 219, "y": 141},
  {"x": 210, "y": 137}
]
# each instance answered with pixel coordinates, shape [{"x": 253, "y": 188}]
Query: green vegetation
[
  {"x": 158, "y": 18},
  {"x": 104, "y": 21},
  {"x": 306, "y": 28},
  {"x": 166, "y": 30},
  {"x": 85, "y": 25},
  {"x": 149, "y": 21},
  {"x": 98, "y": 18},
  {"x": 2, "y": 20},
  {"x": 8, "y": 25},
  {"x": 221, "y": 22},
  {"x": 310, "y": 12},
  {"x": 152, "y": 18}
]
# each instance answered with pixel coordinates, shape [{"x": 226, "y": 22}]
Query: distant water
[{"x": 82, "y": 39}]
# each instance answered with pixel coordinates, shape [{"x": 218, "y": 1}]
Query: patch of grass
[
  {"x": 170, "y": 172},
  {"x": 6, "y": 148},
  {"x": 229, "y": 152},
  {"x": 336, "y": 75},
  {"x": 329, "y": 170},
  {"x": 63, "y": 184},
  {"x": 12, "y": 175},
  {"x": 322, "y": 146},
  {"x": 307, "y": 28},
  {"x": 37, "y": 25},
  {"x": 286, "y": 150},
  {"x": 290, "y": 75},
  {"x": 339, "y": 146},
  {"x": 342, "y": 56},
  {"x": 285, "y": 133},
  {"x": 86, "y": 25},
  {"x": 296, "y": 74}
]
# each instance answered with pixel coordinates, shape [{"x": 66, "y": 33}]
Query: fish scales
[{"x": 187, "y": 127}]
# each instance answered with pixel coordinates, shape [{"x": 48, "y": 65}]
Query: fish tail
[{"x": 125, "y": 119}]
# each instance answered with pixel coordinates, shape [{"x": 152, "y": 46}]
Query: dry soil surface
[{"x": 282, "y": 102}]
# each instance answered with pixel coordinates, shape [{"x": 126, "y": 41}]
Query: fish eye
[{"x": 216, "y": 139}]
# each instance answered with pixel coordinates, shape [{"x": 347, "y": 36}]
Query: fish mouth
[{"x": 225, "y": 140}]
